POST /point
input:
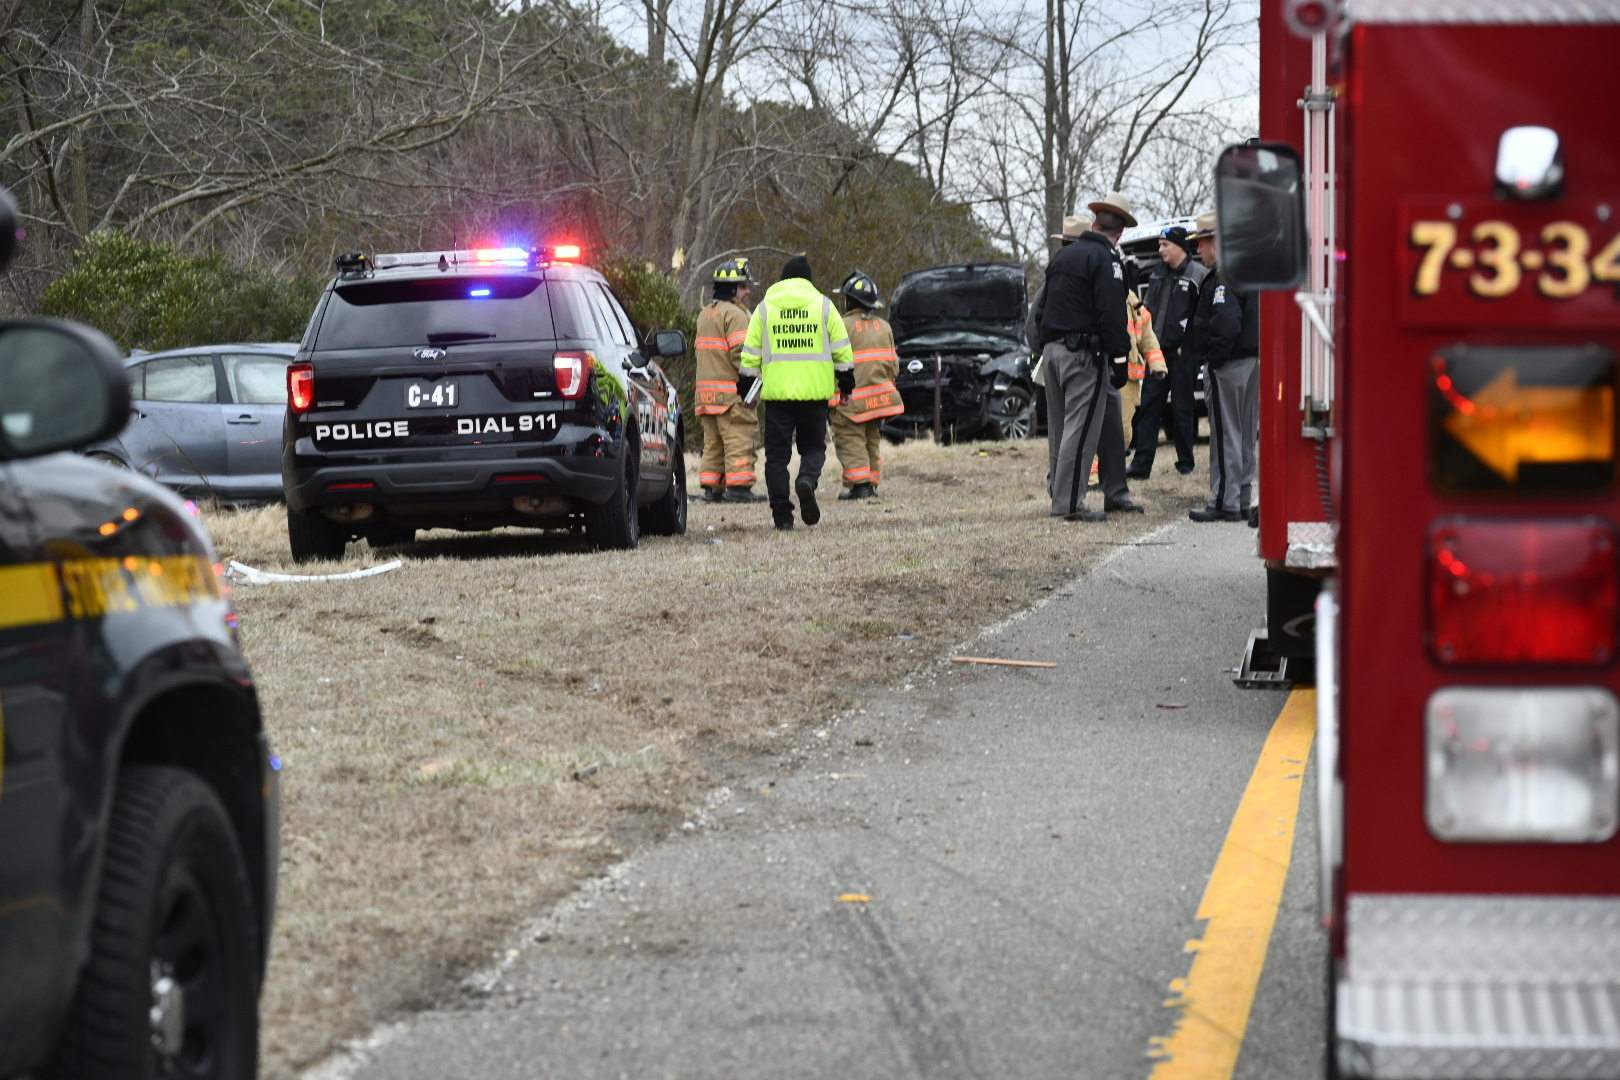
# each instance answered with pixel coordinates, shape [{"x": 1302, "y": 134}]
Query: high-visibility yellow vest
[{"x": 796, "y": 340}]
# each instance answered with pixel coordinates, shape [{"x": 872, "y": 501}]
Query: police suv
[
  {"x": 139, "y": 805},
  {"x": 477, "y": 389}
]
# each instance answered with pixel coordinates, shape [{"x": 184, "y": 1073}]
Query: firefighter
[
  {"x": 1226, "y": 337},
  {"x": 1172, "y": 294},
  {"x": 1144, "y": 367},
  {"x": 729, "y": 426},
  {"x": 856, "y": 420},
  {"x": 1083, "y": 325},
  {"x": 798, "y": 350}
]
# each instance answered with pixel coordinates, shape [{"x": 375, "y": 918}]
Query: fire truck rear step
[
  {"x": 1263, "y": 669},
  {"x": 1480, "y": 987}
]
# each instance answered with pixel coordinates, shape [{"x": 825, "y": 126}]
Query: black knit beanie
[{"x": 798, "y": 266}]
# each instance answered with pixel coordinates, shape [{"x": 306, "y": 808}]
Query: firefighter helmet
[
  {"x": 732, "y": 272},
  {"x": 860, "y": 288}
]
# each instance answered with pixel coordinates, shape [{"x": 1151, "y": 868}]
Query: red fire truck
[{"x": 1434, "y": 211}]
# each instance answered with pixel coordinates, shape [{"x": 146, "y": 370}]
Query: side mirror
[
  {"x": 1260, "y": 216},
  {"x": 10, "y": 229},
  {"x": 65, "y": 386},
  {"x": 665, "y": 343}
]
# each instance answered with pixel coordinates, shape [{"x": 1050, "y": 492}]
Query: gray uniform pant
[
  {"x": 1233, "y": 395},
  {"x": 1111, "y": 451},
  {"x": 1076, "y": 397}
]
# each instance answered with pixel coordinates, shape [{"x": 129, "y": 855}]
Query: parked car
[
  {"x": 962, "y": 327},
  {"x": 139, "y": 800},
  {"x": 206, "y": 421},
  {"x": 477, "y": 389}
]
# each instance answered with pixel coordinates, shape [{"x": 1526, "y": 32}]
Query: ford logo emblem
[
  {"x": 430, "y": 353},
  {"x": 914, "y": 367}
]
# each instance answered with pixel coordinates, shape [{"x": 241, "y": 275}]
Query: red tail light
[
  {"x": 1522, "y": 592},
  {"x": 573, "y": 372},
  {"x": 301, "y": 386}
]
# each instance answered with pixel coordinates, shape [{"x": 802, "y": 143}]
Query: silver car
[{"x": 206, "y": 421}]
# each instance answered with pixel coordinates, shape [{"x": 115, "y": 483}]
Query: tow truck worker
[
  {"x": 1172, "y": 294},
  {"x": 856, "y": 420},
  {"x": 1226, "y": 337},
  {"x": 729, "y": 426},
  {"x": 798, "y": 350}
]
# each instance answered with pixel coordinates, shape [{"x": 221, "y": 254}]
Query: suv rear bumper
[
  {"x": 1470, "y": 987},
  {"x": 441, "y": 482}
]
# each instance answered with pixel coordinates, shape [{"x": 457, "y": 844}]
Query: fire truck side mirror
[{"x": 1260, "y": 233}]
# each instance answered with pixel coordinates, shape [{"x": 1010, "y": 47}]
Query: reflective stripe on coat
[
  {"x": 872, "y": 343},
  {"x": 721, "y": 330}
]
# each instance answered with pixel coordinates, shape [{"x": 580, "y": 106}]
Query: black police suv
[
  {"x": 139, "y": 803},
  {"x": 961, "y": 327},
  {"x": 477, "y": 389}
]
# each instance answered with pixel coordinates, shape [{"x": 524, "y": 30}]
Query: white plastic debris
[{"x": 247, "y": 575}]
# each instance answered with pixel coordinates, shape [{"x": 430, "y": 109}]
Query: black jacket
[
  {"x": 1172, "y": 297},
  {"x": 1085, "y": 294},
  {"x": 1226, "y": 325}
]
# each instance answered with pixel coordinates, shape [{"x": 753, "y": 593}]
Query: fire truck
[{"x": 1432, "y": 216}]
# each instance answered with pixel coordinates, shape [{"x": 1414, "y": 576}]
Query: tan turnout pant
[
  {"x": 857, "y": 446},
  {"x": 728, "y": 448}
]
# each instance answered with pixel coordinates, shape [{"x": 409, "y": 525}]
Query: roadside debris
[
  {"x": 247, "y": 575},
  {"x": 589, "y": 770},
  {"x": 999, "y": 663},
  {"x": 854, "y": 898},
  {"x": 1172, "y": 705}
]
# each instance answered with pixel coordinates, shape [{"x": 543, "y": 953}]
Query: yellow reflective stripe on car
[
  {"x": 36, "y": 593},
  {"x": 30, "y": 594}
]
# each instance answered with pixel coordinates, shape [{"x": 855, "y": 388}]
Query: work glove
[
  {"x": 846, "y": 383},
  {"x": 745, "y": 383}
]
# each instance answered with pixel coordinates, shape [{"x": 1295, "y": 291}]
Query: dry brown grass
[{"x": 431, "y": 719}]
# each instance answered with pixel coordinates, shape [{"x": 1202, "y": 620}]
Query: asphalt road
[{"x": 1035, "y": 843}]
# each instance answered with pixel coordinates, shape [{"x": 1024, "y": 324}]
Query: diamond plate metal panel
[
  {"x": 1481, "y": 987},
  {"x": 1311, "y": 545},
  {"x": 1583, "y": 12}
]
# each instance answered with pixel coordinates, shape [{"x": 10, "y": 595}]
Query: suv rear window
[{"x": 435, "y": 311}]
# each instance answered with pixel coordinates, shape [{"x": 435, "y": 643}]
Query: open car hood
[{"x": 979, "y": 306}]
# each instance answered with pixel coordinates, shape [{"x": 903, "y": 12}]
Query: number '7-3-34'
[{"x": 1497, "y": 266}]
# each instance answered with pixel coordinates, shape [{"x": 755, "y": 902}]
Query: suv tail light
[
  {"x": 1522, "y": 592},
  {"x": 301, "y": 386},
  {"x": 573, "y": 372}
]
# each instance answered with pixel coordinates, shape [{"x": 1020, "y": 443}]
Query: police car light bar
[{"x": 479, "y": 258}]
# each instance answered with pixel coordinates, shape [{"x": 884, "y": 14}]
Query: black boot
[
  {"x": 711, "y": 495},
  {"x": 859, "y": 491},
  {"x": 743, "y": 495},
  {"x": 808, "y": 510}
]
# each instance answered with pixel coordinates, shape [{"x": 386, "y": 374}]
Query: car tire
[
  {"x": 315, "y": 536},
  {"x": 615, "y": 525},
  {"x": 667, "y": 516},
  {"x": 174, "y": 903},
  {"x": 1017, "y": 403},
  {"x": 108, "y": 459}
]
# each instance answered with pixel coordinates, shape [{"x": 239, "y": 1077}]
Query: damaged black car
[{"x": 958, "y": 331}]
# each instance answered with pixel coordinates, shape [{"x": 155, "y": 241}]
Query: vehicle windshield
[
  {"x": 381, "y": 314},
  {"x": 960, "y": 339}
]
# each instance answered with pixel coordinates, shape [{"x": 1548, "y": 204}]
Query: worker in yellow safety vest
[
  {"x": 856, "y": 420},
  {"x": 729, "y": 425},
  {"x": 798, "y": 351}
]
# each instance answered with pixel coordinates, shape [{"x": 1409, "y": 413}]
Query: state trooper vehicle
[
  {"x": 139, "y": 800},
  {"x": 477, "y": 389}
]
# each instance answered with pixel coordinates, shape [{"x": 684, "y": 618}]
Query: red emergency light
[
  {"x": 301, "y": 386},
  {"x": 565, "y": 251},
  {"x": 1522, "y": 592}
]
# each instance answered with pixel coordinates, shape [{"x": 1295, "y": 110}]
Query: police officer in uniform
[
  {"x": 1082, "y": 328},
  {"x": 798, "y": 350},
  {"x": 856, "y": 420},
  {"x": 729, "y": 426},
  {"x": 1226, "y": 336},
  {"x": 1172, "y": 294}
]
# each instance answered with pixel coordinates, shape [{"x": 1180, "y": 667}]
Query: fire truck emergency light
[
  {"x": 1530, "y": 764},
  {"x": 1523, "y": 592},
  {"x": 1529, "y": 163}
]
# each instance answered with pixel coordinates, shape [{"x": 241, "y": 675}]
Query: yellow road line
[{"x": 1240, "y": 904}]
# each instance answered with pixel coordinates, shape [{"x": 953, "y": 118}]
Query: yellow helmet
[{"x": 733, "y": 272}]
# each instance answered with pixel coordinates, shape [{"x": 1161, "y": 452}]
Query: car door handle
[{"x": 244, "y": 419}]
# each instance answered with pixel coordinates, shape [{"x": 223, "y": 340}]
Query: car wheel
[
  {"x": 107, "y": 459},
  {"x": 172, "y": 981},
  {"x": 615, "y": 525},
  {"x": 1013, "y": 414},
  {"x": 667, "y": 516},
  {"x": 315, "y": 536}
]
